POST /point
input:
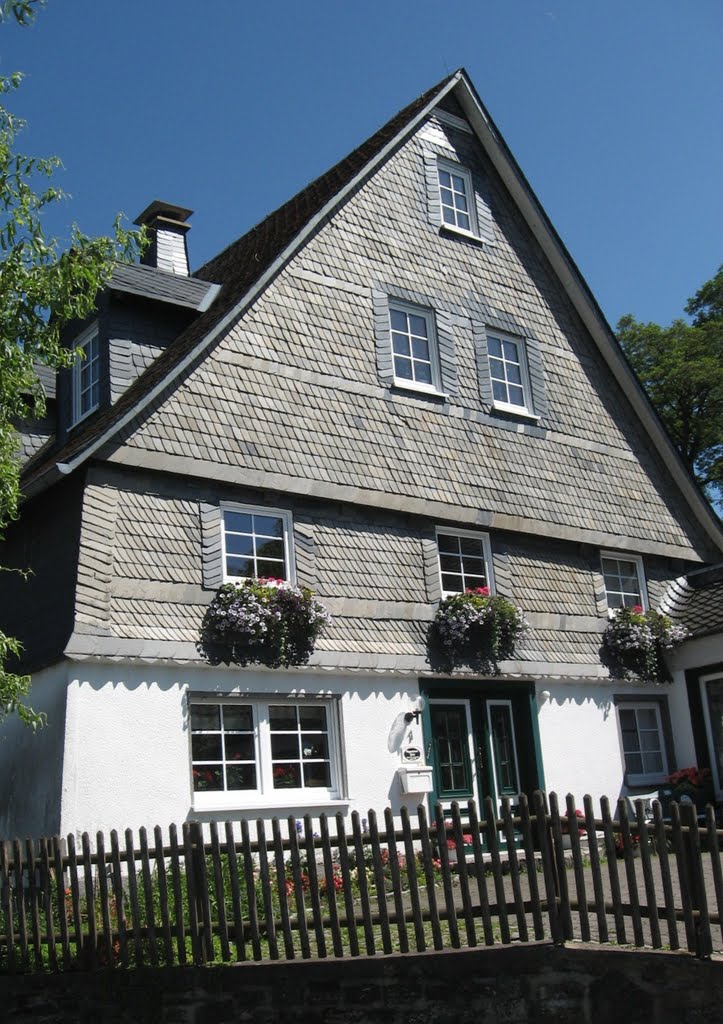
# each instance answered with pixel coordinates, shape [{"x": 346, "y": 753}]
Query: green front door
[{"x": 481, "y": 743}]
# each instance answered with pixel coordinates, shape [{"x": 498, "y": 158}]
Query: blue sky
[{"x": 612, "y": 108}]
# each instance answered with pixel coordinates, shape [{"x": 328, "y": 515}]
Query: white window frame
[
  {"x": 643, "y": 778},
  {"x": 637, "y": 560},
  {"x": 260, "y": 510},
  {"x": 520, "y": 410},
  {"x": 91, "y": 361},
  {"x": 484, "y": 538},
  {"x": 428, "y": 316},
  {"x": 466, "y": 175},
  {"x": 265, "y": 795}
]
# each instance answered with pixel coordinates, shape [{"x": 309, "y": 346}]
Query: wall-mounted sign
[{"x": 412, "y": 754}]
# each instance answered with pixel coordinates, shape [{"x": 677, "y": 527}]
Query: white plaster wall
[
  {"x": 581, "y": 746},
  {"x": 127, "y": 758},
  {"x": 31, "y": 763}
]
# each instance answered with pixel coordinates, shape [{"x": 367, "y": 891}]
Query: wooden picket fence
[{"x": 316, "y": 888}]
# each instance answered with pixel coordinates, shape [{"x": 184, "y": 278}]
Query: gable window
[
  {"x": 624, "y": 581},
  {"x": 244, "y": 749},
  {"x": 86, "y": 378},
  {"x": 464, "y": 561},
  {"x": 641, "y": 733},
  {"x": 414, "y": 347},
  {"x": 456, "y": 197},
  {"x": 508, "y": 373},
  {"x": 256, "y": 543}
]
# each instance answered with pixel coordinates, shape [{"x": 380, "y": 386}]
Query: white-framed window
[
  {"x": 256, "y": 542},
  {"x": 643, "y": 742},
  {"x": 276, "y": 750},
  {"x": 456, "y": 197},
  {"x": 414, "y": 347},
  {"x": 465, "y": 561},
  {"x": 624, "y": 580},
  {"x": 711, "y": 687},
  {"x": 86, "y": 376},
  {"x": 509, "y": 376}
]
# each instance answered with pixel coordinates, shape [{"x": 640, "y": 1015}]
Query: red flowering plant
[
  {"x": 566, "y": 825},
  {"x": 635, "y": 643},
  {"x": 451, "y": 844},
  {"x": 267, "y": 621},
  {"x": 474, "y": 629},
  {"x": 692, "y": 784}
]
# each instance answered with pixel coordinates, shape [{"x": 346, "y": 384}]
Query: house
[{"x": 394, "y": 387}]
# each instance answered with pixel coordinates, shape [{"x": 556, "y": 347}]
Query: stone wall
[{"x": 526, "y": 984}]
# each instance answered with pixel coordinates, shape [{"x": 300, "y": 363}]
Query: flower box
[
  {"x": 265, "y": 621},
  {"x": 635, "y": 643},
  {"x": 475, "y": 629}
]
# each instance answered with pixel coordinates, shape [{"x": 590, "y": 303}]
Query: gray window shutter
[
  {"x": 431, "y": 177},
  {"x": 304, "y": 550},
  {"x": 430, "y": 555},
  {"x": 447, "y": 355},
  {"x": 211, "y": 553},
  {"x": 601, "y": 597},
  {"x": 382, "y": 337},
  {"x": 485, "y": 224},
  {"x": 121, "y": 368},
  {"x": 503, "y": 574},
  {"x": 537, "y": 377},
  {"x": 483, "y": 367}
]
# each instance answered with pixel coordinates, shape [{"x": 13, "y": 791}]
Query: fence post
[{"x": 693, "y": 867}]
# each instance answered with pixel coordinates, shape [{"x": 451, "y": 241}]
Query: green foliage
[
  {"x": 635, "y": 643},
  {"x": 44, "y": 285},
  {"x": 681, "y": 368}
]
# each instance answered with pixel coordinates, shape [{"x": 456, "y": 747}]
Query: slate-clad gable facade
[{"x": 268, "y": 382}]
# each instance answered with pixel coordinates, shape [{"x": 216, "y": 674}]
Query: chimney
[{"x": 167, "y": 228}]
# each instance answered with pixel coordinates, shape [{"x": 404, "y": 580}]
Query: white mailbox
[{"x": 415, "y": 778}]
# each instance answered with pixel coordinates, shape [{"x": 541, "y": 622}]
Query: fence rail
[{"x": 378, "y": 885}]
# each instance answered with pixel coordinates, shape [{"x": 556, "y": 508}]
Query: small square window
[
  {"x": 255, "y": 543},
  {"x": 86, "y": 377},
  {"x": 508, "y": 373},
  {"x": 464, "y": 561},
  {"x": 624, "y": 581},
  {"x": 414, "y": 347},
  {"x": 456, "y": 197},
  {"x": 643, "y": 744}
]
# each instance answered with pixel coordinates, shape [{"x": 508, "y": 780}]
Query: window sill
[
  {"x": 450, "y": 229},
  {"x": 412, "y": 389},
  {"x": 296, "y": 805},
  {"x": 516, "y": 412}
]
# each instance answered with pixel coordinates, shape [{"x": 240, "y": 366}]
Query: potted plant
[
  {"x": 266, "y": 621},
  {"x": 474, "y": 629},
  {"x": 635, "y": 642},
  {"x": 692, "y": 784}
]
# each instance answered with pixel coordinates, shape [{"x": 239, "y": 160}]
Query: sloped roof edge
[
  {"x": 540, "y": 226},
  {"x": 583, "y": 300}
]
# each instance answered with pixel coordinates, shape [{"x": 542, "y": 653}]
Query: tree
[
  {"x": 43, "y": 286},
  {"x": 681, "y": 368}
]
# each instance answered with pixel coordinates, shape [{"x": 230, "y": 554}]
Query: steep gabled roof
[{"x": 245, "y": 267}]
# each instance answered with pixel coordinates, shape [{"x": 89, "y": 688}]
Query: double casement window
[
  {"x": 86, "y": 376},
  {"x": 624, "y": 581},
  {"x": 256, "y": 542},
  {"x": 643, "y": 742},
  {"x": 414, "y": 347},
  {"x": 464, "y": 561},
  {"x": 243, "y": 750}
]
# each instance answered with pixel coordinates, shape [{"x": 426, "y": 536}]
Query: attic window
[
  {"x": 256, "y": 543},
  {"x": 86, "y": 377},
  {"x": 414, "y": 347},
  {"x": 624, "y": 581},
  {"x": 508, "y": 374},
  {"x": 456, "y": 196},
  {"x": 464, "y": 560}
]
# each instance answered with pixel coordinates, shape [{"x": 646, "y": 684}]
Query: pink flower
[{"x": 637, "y": 609}]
